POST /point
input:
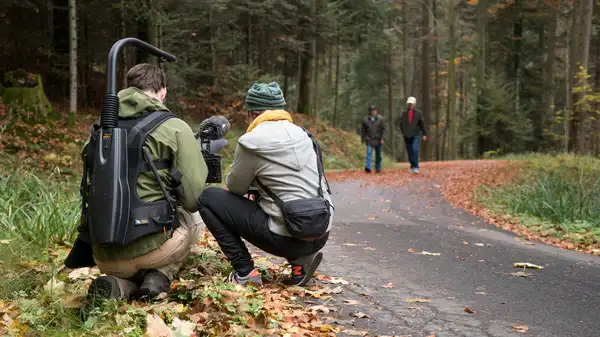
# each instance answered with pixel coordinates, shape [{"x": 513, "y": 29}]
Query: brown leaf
[
  {"x": 321, "y": 308},
  {"x": 411, "y": 250},
  {"x": 331, "y": 279},
  {"x": 469, "y": 310},
  {"x": 351, "y": 302},
  {"x": 520, "y": 328},
  {"x": 417, "y": 300},
  {"x": 389, "y": 285},
  {"x": 361, "y": 315}
]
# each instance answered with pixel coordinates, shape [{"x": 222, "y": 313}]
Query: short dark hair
[{"x": 145, "y": 76}]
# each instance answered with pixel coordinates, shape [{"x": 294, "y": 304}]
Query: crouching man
[
  {"x": 146, "y": 266},
  {"x": 279, "y": 159}
]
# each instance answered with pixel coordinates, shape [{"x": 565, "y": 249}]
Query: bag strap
[
  {"x": 147, "y": 125},
  {"x": 317, "y": 150}
]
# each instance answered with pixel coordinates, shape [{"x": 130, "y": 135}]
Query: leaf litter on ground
[{"x": 200, "y": 303}]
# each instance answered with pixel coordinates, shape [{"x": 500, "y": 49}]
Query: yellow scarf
[{"x": 270, "y": 116}]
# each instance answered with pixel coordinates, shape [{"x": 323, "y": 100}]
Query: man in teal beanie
[{"x": 274, "y": 157}]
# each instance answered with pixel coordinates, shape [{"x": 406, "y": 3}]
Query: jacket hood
[
  {"x": 134, "y": 102},
  {"x": 281, "y": 142}
]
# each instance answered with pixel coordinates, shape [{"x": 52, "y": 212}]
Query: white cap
[{"x": 411, "y": 100}]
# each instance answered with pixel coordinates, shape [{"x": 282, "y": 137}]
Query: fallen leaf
[
  {"x": 527, "y": 265},
  {"x": 321, "y": 308},
  {"x": 389, "y": 285},
  {"x": 156, "y": 327},
  {"x": 417, "y": 300},
  {"x": 372, "y": 218},
  {"x": 479, "y": 244},
  {"x": 5, "y": 242},
  {"x": 521, "y": 274},
  {"x": 331, "y": 279},
  {"x": 183, "y": 328},
  {"x": 54, "y": 287},
  {"x": 430, "y": 254},
  {"x": 480, "y": 293},
  {"x": 411, "y": 250},
  {"x": 351, "y": 332},
  {"x": 361, "y": 315},
  {"x": 329, "y": 328},
  {"x": 469, "y": 310},
  {"x": 460, "y": 258},
  {"x": 351, "y": 244},
  {"x": 465, "y": 243},
  {"x": 527, "y": 243},
  {"x": 351, "y": 302},
  {"x": 83, "y": 273},
  {"x": 6, "y": 320},
  {"x": 368, "y": 248},
  {"x": 520, "y": 328}
]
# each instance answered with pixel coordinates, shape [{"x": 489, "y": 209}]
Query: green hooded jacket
[{"x": 174, "y": 140}]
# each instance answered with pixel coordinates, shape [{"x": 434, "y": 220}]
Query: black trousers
[{"x": 230, "y": 217}]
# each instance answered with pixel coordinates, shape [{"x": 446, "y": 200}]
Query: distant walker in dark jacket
[
  {"x": 372, "y": 133},
  {"x": 412, "y": 126}
]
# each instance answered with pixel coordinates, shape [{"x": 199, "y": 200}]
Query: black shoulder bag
[{"x": 305, "y": 218}]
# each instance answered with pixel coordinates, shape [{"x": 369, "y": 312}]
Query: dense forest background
[{"x": 491, "y": 76}]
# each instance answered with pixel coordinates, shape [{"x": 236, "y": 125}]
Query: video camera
[{"x": 210, "y": 138}]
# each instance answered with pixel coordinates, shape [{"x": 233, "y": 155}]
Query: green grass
[{"x": 557, "y": 194}]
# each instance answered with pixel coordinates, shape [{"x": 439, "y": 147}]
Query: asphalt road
[{"x": 376, "y": 227}]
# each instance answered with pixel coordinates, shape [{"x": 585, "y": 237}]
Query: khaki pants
[{"x": 168, "y": 258}]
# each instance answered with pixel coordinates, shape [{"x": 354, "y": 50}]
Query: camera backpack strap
[{"x": 138, "y": 217}]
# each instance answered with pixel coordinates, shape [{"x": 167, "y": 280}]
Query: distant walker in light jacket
[
  {"x": 412, "y": 126},
  {"x": 372, "y": 133}
]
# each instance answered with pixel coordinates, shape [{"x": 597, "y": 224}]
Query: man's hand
[
  {"x": 250, "y": 196},
  {"x": 382, "y": 142},
  {"x": 424, "y": 137}
]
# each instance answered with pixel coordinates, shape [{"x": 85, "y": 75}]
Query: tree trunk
[
  {"x": 286, "y": 77},
  {"x": 582, "y": 29},
  {"x": 315, "y": 67},
  {"x": 73, "y": 59},
  {"x": 548, "y": 95},
  {"x": 436, "y": 85},
  {"x": 451, "y": 120},
  {"x": 481, "y": 68},
  {"x": 392, "y": 134},
  {"x": 336, "y": 112},
  {"x": 426, "y": 79}
]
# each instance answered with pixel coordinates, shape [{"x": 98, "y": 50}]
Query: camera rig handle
[{"x": 110, "y": 106}]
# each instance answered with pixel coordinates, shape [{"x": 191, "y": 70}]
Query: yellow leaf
[
  {"x": 527, "y": 265},
  {"x": 473, "y": 2}
]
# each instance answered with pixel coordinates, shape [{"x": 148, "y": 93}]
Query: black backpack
[{"x": 112, "y": 212}]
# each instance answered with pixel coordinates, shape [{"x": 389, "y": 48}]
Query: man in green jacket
[
  {"x": 146, "y": 267},
  {"x": 412, "y": 126}
]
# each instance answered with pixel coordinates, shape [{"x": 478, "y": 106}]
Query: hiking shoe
[
  {"x": 416, "y": 170},
  {"x": 252, "y": 278},
  {"x": 155, "y": 283},
  {"x": 105, "y": 288},
  {"x": 367, "y": 170},
  {"x": 303, "y": 269}
]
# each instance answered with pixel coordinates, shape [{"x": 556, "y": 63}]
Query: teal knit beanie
[{"x": 262, "y": 96}]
